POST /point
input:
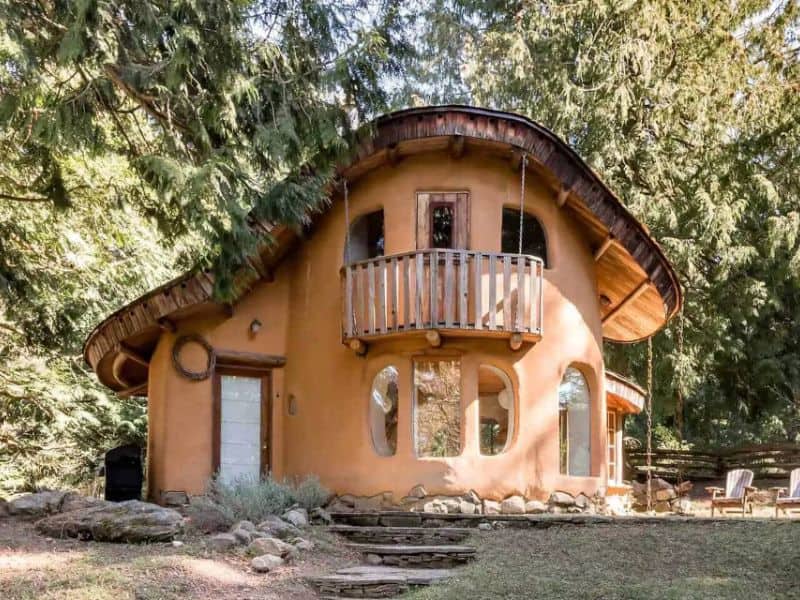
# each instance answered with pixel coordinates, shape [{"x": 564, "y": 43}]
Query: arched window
[
  {"x": 383, "y": 411},
  {"x": 533, "y": 238},
  {"x": 496, "y": 407},
  {"x": 574, "y": 424},
  {"x": 366, "y": 237}
]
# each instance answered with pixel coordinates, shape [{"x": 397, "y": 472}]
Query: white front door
[{"x": 240, "y": 427}]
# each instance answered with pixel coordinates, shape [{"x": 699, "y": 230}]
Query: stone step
[
  {"x": 374, "y": 581},
  {"x": 424, "y": 557},
  {"x": 402, "y": 535},
  {"x": 434, "y": 520}
]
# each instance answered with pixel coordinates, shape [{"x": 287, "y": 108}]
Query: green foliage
[{"x": 254, "y": 500}]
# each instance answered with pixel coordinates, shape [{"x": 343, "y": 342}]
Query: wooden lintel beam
[
  {"x": 561, "y": 198},
  {"x": 601, "y": 250},
  {"x": 167, "y": 324},
  {"x": 134, "y": 355},
  {"x": 637, "y": 291},
  {"x": 457, "y": 146},
  {"x": 235, "y": 358}
]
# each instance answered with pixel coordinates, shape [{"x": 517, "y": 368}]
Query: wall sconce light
[{"x": 255, "y": 325}]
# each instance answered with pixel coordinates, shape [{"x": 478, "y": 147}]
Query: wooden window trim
[
  {"x": 265, "y": 375},
  {"x": 459, "y": 200}
]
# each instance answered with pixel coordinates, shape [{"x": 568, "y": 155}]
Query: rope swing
[
  {"x": 649, "y": 414},
  {"x": 522, "y": 199},
  {"x": 346, "y": 225}
]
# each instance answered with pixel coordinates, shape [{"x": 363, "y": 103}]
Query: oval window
[
  {"x": 574, "y": 423},
  {"x": 383, "y": 411},
  {"x": 496, "y": 402}
]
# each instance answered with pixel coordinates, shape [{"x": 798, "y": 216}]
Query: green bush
[{"x": 255, "y": 499}]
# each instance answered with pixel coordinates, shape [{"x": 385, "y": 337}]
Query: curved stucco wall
[{"x": 329, "y": 434}]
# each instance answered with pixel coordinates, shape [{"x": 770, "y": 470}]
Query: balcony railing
[{"x": 457, "y": 292}]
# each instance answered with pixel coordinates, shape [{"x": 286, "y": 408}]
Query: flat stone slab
[
  {"x": 383, "y": 549},
  {"x": 404, "y": 530},
  {"x": 366, "y": 575}
]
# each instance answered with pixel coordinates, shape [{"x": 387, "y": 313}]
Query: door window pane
[
  {"x": 574, "y": 423},
  {"x": 496, "y": 404},
  {"x": 442, "y": 224},
  {"x": 383, "y": 411},
  {"x": 240, "y": 428},
  {"x": 437, "y": 407}
]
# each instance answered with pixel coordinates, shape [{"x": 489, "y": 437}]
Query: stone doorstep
[{"x": 390, "y": 549}]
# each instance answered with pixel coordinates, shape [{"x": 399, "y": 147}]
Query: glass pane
[
  {"x": 496, "y": 405},
  {"x": 240, "y": 428},
  {"x": 533, "y": 239},
  {"x": 442, "y": 220},
  {"x": 383, "y": 411},
  {"x": 437, "y": 407},
  {"x": 573, "y": 393}
]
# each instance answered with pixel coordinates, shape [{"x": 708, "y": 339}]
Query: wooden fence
[{"x": 766, "y": 461}]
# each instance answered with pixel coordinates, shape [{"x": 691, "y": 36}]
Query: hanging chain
[
  {"x": 522, "y": 199},
  {"x": 649, "y": 414},
  {"x": 679, "y": 378},
  {"x": 346, "y": 225}
]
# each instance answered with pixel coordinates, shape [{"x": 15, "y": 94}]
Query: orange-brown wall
[{"x": 329, "y": 436}]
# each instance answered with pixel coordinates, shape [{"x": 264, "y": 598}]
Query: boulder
[
  {"x": 485, "y": 526},
  {"x": 373, "y": 559},
  {"x": 535, "y": 507},
  {"x": 270, "y": 545},
  {"x": 131, "y": 521},
  {"x": 174, "y": 498},
  {"x": 3, "y": 508},
  {"x": 222, "y": 542},
  {"x": 513, "y": 505},
  {"x": 666, "y": 494},
  {"x": 347, "y": 500},
  {"x": 451, "y": 505},
  {"x": 276, "y": 527},
  {"x": 246, "y": 525},
  {"x": 303, "y": 544},
  {"x": 561, "y": 499},
  {"x": 583, "y": 501},
  {"x": 467, "y": 508},
  {"x": 418, "y": 492},
  {"x": 265, "y": 563},
  {"x": 337, "y": 506},
  {"x": 491, "y": 507},
  {"x": 296, "y": 516},
  {"x": 662, "y": 507},
  {"x": 36, "y": 505},
  {"x": 257, "y": 534},
  {"x": 472, "y": 496},
  {"x": 374, "y": 503},
  {"x": 242, "y": 536},
  {"x": 434, "y": 506},
  {"x": 320, "y": 515},
  {"x": 73, "y": 501}
]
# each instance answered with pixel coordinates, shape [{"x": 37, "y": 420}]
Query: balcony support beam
[
  {"x": 515, "y": 341},
  {"x": 434, "y": 338},
  {"x": 358, "y": 346}
]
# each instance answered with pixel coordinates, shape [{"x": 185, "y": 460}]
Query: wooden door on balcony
[{"x": 442, "y": 220}]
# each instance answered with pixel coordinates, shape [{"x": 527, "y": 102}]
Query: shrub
[{"x": 255, "y": 499}]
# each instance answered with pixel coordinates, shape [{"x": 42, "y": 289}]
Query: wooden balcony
[{"x": 443, "y": 293}]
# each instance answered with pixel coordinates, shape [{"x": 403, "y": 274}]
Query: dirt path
[{"x": 32, "y": 566}]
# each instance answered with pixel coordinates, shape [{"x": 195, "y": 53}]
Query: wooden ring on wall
[{"x": 211, "y": 357}]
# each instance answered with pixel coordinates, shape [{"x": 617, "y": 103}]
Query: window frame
[
  {"x": 423, "y": 358},
  {"x": 347, "y": 254},
  {"x": 547, "y": 259},
  {"x": 563, "y": 426},
  {"x": 512, "y": 422},
  {"x": 370, "y": 432}
]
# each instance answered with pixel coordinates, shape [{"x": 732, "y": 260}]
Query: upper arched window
[
  {"x": 496, "y": 407},
  {"x": 366, "y": 237},
  {"x": 383, "y": 411},
  {"x": 533, "y": 238},
  {"x": 574, "y": 421}
]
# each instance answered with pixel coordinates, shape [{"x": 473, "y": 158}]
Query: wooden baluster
[
  {"x": 420, "y": 287},
  {"x": 406, "y": 295},
  {"x": 360, "y": 320},
  {"x": 434, "y": 299},
  {"x": 449, "y": 284},
  {"x": 507, "y": 319},
  {"x": 463, "y": 319},
  {"x": 381, "y": 273},
  {"x": 520, "y": 293},
  {"x": 348, "y": 302},
  {"x": 493, "y": 292},
  {"x": 478, "y": 260},
  {"x": 371, "y": 275},
  {"x": 393, "y": 293}
]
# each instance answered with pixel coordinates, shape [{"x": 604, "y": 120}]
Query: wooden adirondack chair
[
  {"x": 737, "y": 492},
  {"x": 792, "y": 499}
]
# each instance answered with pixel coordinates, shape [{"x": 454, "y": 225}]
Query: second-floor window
[
  {"x": 533, "y": 238},
  {"x": 366, "y": 237}
]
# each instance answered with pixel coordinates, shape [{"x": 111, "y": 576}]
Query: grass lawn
[{"x": 734, "y": 560}]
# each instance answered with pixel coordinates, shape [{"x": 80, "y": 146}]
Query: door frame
[
  {"x": 265, "y": 375},
  {"x": 459, "y": 200}
]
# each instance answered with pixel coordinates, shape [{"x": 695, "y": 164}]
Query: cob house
[{"x": 441, "y": 323}]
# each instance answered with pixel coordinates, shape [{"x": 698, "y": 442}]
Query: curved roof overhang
[{"x": 638, "y": 288}]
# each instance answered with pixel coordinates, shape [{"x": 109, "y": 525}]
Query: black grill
[{"x": 123, "y": 467}]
